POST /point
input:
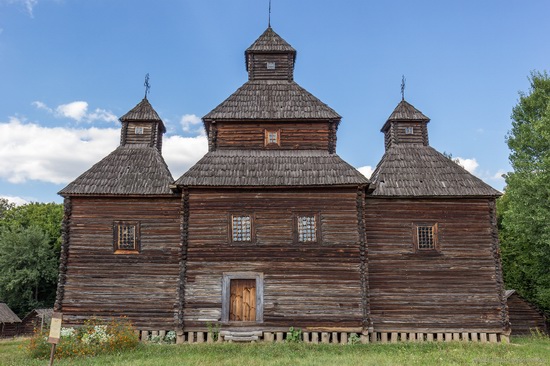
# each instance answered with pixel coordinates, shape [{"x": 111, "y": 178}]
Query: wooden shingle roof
[
  {"x": 144, "y": 112},
  {"x": 271, "y": 99},
  {"x": 405, "y": 112},
  {"x": 421, "y": 171},
  {"x": 129, "y": 170},
  {"x": 270, "y": 41},
  {"x": 271, "y": 168},
  {"x": 7, "y": 315}
]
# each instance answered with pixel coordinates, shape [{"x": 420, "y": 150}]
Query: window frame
[
  {"x": 435, "y": 237},
  {"x": 252, "y": 228},
  {"x": 226, "y": 294},
  {"x": 409, "y": 130},
  {"x": 296, "y": 232},
  {"x": 267, "y": 131},
  {"x": 137, "y": 237},
  {"x": 139, "y": 130}
]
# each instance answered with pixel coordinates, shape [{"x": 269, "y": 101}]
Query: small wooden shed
[
  {"x": 36, "y": 319},
  {"x": 524, "y": 316},
  {"x": 9, "y": 322}
]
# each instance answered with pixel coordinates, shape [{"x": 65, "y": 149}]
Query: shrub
[{"x": 93, "y": 338}]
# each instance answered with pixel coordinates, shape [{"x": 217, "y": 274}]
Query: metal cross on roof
[
  {"x": 403, "y": 80},
  {"x": 146, "y": 85},
  {"x": 269, "y": 16}
]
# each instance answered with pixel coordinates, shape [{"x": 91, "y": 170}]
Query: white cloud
[
  {"x": 41, "y": 105},
  {"x": 18, "y": 201},
  {"x": 190, "y": 120},
  {"x": 366, "y": 170},
  {"x": 58, "y": 155},
  {"x": 28, "y": 4},
  {"x": 78, "y": 111},
  {"x": 181, "y": 153},
  {"x": 74, "y": 110},
  {"x": 468, "y": 164}
]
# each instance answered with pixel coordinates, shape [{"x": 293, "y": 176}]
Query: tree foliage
[
  {"x": 524, "y": 209},
  {"x": 30, "y": 240}
]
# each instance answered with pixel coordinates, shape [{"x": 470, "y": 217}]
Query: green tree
[
  {"x": 524, "y": 210},
  {"x": 29, "y": 268},
  {"x": 30, "y": 241}
]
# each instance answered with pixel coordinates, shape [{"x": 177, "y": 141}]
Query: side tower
[
  {"x": 273, "y": 231},
  {"x": 121, "y": 232},
  {"x": 434, "y": 262}
]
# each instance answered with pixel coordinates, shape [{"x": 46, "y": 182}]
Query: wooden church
[{"x": 271, "y": 229}]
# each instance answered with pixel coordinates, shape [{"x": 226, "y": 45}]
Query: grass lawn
[{"x": 522, "y": 351}]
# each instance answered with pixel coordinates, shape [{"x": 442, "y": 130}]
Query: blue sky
[{"x": 70, "y": 68}]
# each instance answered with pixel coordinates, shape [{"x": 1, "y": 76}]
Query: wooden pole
[{"x": 52, "y": 354}]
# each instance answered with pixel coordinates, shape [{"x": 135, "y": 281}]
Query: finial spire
[
  {"x": 146, "y": 85},
  {"x": 403, "y": 80},
  {"x": 269, "y": 16}
]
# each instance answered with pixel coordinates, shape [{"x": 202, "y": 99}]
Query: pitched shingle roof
[
  {"x": 271, "y": 99},
  {"x": 7, "y": 315},
  {"x": 129, "y": 170},
  {"x": 270, "y": 41},
  {"x": 421, "y": 171},
  {"x": 143, "y": 111},
  {"x": 405, "y": 112},
  {"x": 271, "y": 168}
]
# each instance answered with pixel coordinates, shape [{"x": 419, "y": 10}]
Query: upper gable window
[
  {"x": 271, "y": 65},
  {"x": 426, "y": 237},
  {"x": 126, "y": 237},
  {"x": 241, "y": 228},
  {"x": 306, "y": 228},
  {"x": 139, "y": 130},
  {"x": 409, "y": 130},
  {"x": 272, "y": 137}
]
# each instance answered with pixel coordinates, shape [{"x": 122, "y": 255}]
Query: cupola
[
  {"x": 406, "y": 125},
  {"x": 142, "y": 126}
]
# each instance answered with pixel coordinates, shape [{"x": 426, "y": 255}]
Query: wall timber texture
[
  {"x": 459, "y": 289},
  {"x": 524, "y": 317},
  {"x": 142, "y": 287},
  {"x": 258, "y": 69},
  {"x": 316, "y": 285},
  {"x": 293, "y": 135}
]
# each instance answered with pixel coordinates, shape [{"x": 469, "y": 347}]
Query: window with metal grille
[
  {"x": 126, "y": 237},
  {"x": 307, "y": 228},
  {"x": 241, "y": 228},
  {"x": 271, "y": 65},
  {"x": 139, "y": 130},
  {"x": 409, "y": 130},
  {"x": 426, "y": 237}
]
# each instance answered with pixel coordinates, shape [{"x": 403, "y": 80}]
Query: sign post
[{"x": 55, "y": 333}]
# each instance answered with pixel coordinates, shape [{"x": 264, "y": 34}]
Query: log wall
[
  {"x": 396, "y": 134},
  {"x": 293, "y": 135},
  {"x": 258, "y": 70},
  {"x": 141, "y": 286},
  {"x": 304, "y": 284},
  {"x": 524, "y": 317},
  {"x": 456, "y": 290}
]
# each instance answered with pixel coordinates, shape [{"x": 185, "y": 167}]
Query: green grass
[{"x": 522, "y": 351}]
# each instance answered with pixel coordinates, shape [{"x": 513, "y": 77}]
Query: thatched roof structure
[{"x": 271, "y": 168}]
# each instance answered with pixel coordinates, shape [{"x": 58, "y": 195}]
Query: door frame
[{"x": 226, "y": 294}]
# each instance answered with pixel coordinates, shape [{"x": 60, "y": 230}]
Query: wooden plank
[
  {"x": 343, "y": 338},
  {"x": 483, "y": 337},
  {"x": 394, "y": 337},
  {"x": 325, "y": 337},
  {"x": 448, "y": 337},
  {"x": 430, "y": 337},
  {"x": 493, "y": 338},
  {"x": 334, "y": 337},
  {"x": 465, "y": 336},
  {"x": 384, "y": 337}
]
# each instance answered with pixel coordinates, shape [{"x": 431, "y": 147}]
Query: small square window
[
  {"x": 306, "y": 228},
  {"x": 272, "y": 137},
  {"x": 409, "y": 130},
  {"x": 426, "y": 237},
  {"x": 241, "y": 228},
  {"x": 271, "y": 65},
  {"x": 139, "y": 130},
  {"x": 126, "y": 237}
]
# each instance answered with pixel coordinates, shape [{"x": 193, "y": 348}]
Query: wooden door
[{"x": 243, "y": 300}]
